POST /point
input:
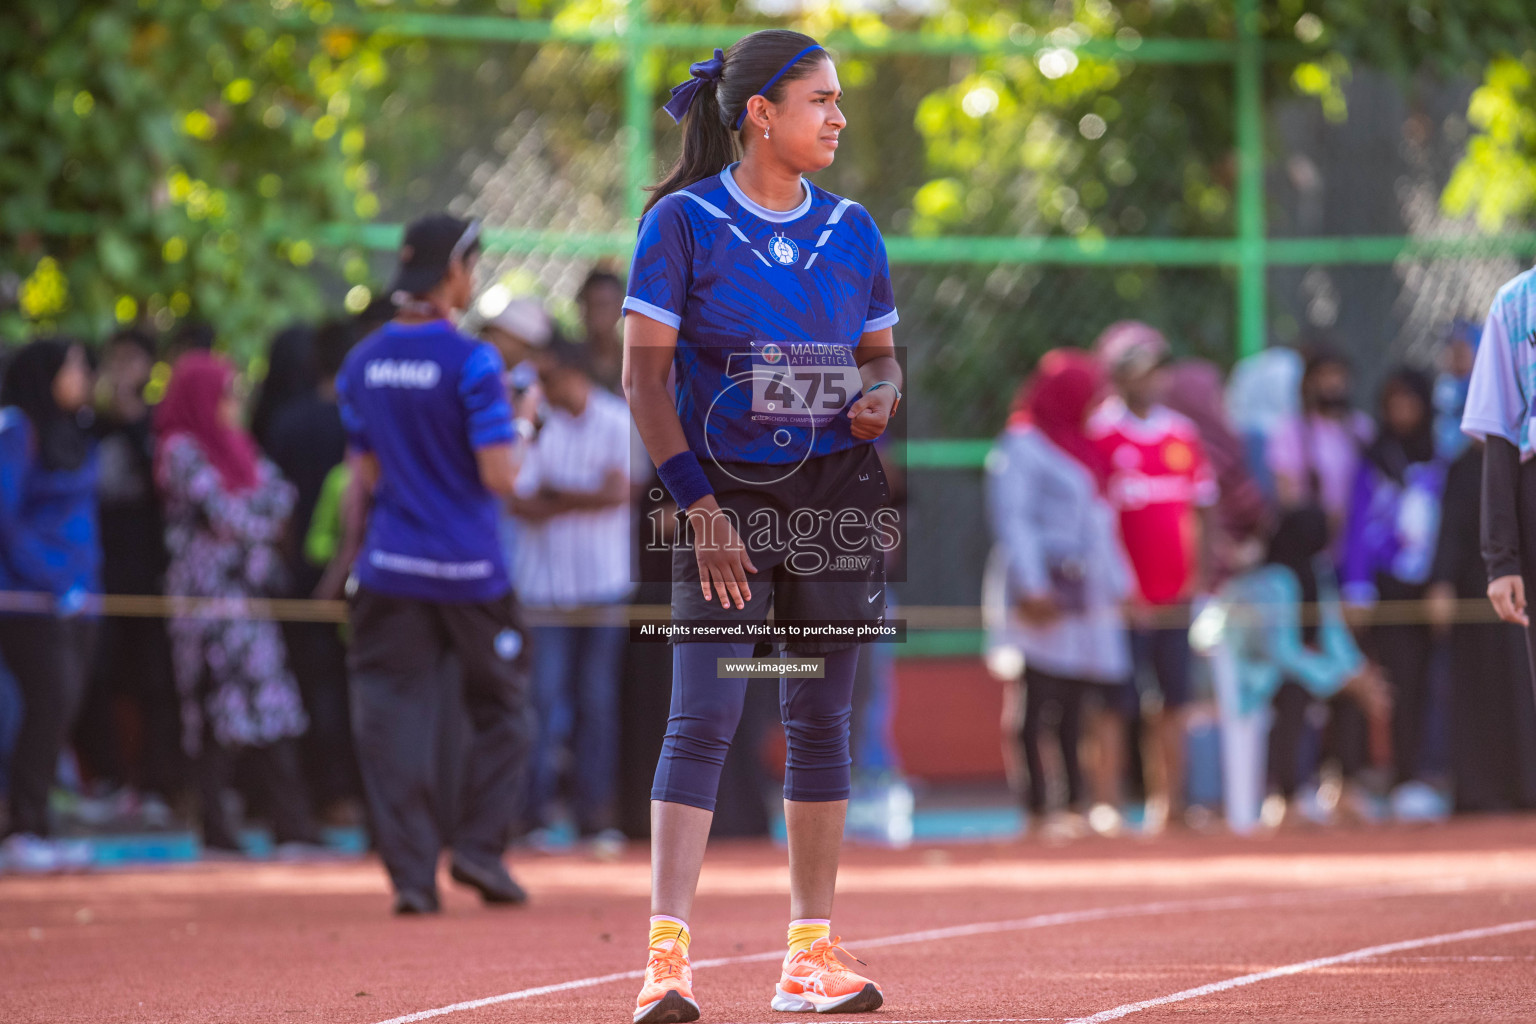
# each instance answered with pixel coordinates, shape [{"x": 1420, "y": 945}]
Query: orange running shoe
[
  {"x": 667, "y": 996},
  {"x": 815, "y": 979}
]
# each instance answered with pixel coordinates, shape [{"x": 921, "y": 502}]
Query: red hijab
[
  {"x": 1056, "y": 401},
  {"x": 191, "y": 407}
]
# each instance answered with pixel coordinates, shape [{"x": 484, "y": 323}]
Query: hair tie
[{"x": 684, "y": 92}]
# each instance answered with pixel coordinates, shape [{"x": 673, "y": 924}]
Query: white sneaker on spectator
[
  {"x": 1359, "y": 806},
  {"x": 1106, "y": 820},
  {"x": 1311, "y": 806},
  {"x": 1419, "y": 802},
  {"x": 1063, "y": 826},
  {"x": 547, "y": 841},
  {"x": 306, "y": 853},
  {"x": 75, "y": 854},
  {"x": 1154, "y": 816},
  {"x": 28, "y": 854},
  {"x": 156, "y": 814},
  {"x": 607, "y": 845}
]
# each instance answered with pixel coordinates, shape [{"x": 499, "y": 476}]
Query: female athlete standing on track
[{"x": 772, "y": 300}]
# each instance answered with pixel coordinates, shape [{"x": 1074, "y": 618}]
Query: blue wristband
[
  {"x": 684, "y": 478},
  {"x": 885, "y": 384}
]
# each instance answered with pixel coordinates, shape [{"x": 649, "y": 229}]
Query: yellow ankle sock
[
  {"x": 669, "y": 932},
  {"x": 804, "y": 933}
]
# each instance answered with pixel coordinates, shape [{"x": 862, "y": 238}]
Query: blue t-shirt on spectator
[
  {"x": 49, "y": 540},
  {"x": 423, "y": 398},
  {"x": 768, "y": 306}
]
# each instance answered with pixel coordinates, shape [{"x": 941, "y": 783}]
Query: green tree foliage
[
  {"x": 1496, "y": 179},
  {"x": 177, "y": 158},
  {"x": 173, "y": 159},
  {"x": 1056, "y": 142},
  {"x": 1491, "y": 40}
]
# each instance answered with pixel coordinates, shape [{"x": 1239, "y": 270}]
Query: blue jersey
[
  {"x": 49, "y": 540},
  {"x": 768, "y": 307},
  {"x": 422, "y": 398}
]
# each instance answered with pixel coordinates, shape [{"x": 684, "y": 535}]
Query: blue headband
[
  {"x": 770, "y": 83},
  {"x": 684, "y": 92}
]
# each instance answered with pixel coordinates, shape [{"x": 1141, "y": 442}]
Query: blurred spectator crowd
[
  {"x": 1246, "y": 598},
  {"x": 1237, "y": 598},
  {"x": 148, "y": 467}
]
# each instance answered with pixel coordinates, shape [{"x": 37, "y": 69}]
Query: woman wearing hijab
[
  {"x": 225, "y": 511},
  {"x": 1314, "y": 456},
  {"x": 1389, "y": 550},
  {"x": 291, "y": 375},
  {"x": 1264, "y": 393},
  {"x": 1065, "y": 574},
  {"x": 1195, "y": 389},
  {"x": 49, "y": 550}
]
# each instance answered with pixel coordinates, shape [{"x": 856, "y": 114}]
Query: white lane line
[
  {"x": 945, "y": 1020},
  {"x": 951, "y": 1020},
  {"x": 982, "y": 928},
  {"x": 527, "y": 993},
  {"x": 1464, "y": 959},
  {"x": 1354, "y": 956}
]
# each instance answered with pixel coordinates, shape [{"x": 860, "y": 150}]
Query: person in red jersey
[{"x": 1160, "y": 483}]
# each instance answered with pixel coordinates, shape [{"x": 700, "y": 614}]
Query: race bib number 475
[{"x": 799, "y": 383}]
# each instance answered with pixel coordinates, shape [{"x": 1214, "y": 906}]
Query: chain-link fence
[{"x": 550, "y": 133}]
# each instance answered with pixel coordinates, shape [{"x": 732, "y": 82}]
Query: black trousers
[
  {"x": 1493, "y": 719},
  {"x": 275, "y": 770},
  {"x": 399, "y": 668},
  {"x": 1403, "y": 651},
  {"x": 132, "y": 663},
  {"x": 1345, "y": 739},
  {"x": 1508, "y": 521},
  {"x": 1055, "y": 704},
  {"x": 318, "y": 660},
  {"x": 49, "y": 656}
]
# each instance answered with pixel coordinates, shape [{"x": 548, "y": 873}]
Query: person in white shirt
[
  {"x": 1314, "y": 455},
  {"x": 521, "y": 332},
  {"x": 573, "y": 574}
]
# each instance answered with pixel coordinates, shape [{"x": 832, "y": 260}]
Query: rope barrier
[{"x": 1464, "y": 611}]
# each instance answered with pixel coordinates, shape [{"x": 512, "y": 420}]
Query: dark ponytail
[
  {"x": 709, "y": 142},
  {"x": 707, "y": 146}
]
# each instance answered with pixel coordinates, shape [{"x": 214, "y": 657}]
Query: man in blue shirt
[{"x": 432, "y": 438}]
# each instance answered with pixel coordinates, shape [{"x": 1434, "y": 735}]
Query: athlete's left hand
[{"x": 871, "y": 413}]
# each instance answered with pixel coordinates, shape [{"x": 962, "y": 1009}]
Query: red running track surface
[{"x": 1388, "y": 925}]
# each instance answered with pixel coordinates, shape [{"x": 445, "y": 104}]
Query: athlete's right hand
[
  {"x": 722, "y": 557},
  {"x": 1508, "y": 596}
]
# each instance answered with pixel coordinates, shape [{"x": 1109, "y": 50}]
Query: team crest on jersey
[
  {"x": 771, "y": 354},
  {"x": 784, "y": 251},
  {"x": 1177, "y": 456}
]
